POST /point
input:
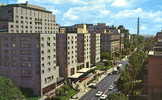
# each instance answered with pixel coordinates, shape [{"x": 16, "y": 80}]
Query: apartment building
[
  {"x": 95, "y": 48},
  {"x": 83, "y": 52},
  {"x": 30, "y": 61},
  {"x": 77, "y": 28},
  {"x": 98, "y": 28},
  {"x": 26, "y": 18},
  {"x": 158, "y": 36},
  {"x": 110, "y": 42},
  {"x": 67, "y": 54},
  {"x": 154, "y": 67}
]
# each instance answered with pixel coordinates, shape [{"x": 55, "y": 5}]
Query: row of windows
[
  {"x": 48, "y": 44},
  {"x": 27, "y": 31},
  {"x": 15, "y": 64},
  {"x": 48, "y": 79},
  {"x": 72, "y": 37},
  {"x": 49, "y": 69},
  {"x": 49, "y": 57},
  {"x": 72, "y": 62},
  {"x": 36, "y": 19},
  {"x": 36, "y": 23},
  {"x": 22, "y": 26},
  {"x": 48, "y": 51},
  {"x": 48, "y": 38}
]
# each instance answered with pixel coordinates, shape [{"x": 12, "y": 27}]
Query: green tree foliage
[
  {"x": 127, "y": 82},
  {"x": 8, "y": 91},
  {"x": 106, "y": 55},
  {"x": 118, "y": 96}
]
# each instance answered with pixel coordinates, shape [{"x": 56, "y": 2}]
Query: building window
[
  {"x": 49, "y": 38},
  {"x": 11, "y": 26},
  {"x": 54, "y": 44},
  {"x": 49, "y": 57},
  {"x": 42, "y": 45},
  {"x": 49, "y": 63},
  {"x": 48, "y": 44},
  {"x": 42, "y": 58},
  {"x": 54, "y": 50},
  {"x": 42, "y": 52},
  {"x": 6, "y": 51},
  {"x": 43, "y": 71},
  {"x": 6, "y": 45},
  {"x": 49, "y": 69},
  {"x": 42, "y": 65},
  {"x": 54, "y": 38}
]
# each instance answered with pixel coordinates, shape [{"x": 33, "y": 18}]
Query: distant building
[
  {"x": 26, "y": 18},
  {"x": 99, "y": 28},
  {"x": 110, "y": 42},
  {"x": 159, "y": 36},
  {"x": 77, "y": 28},
  {"x": 30, "y": 61}
]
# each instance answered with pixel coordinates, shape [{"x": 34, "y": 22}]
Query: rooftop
[{"x": 26, "y": 5}]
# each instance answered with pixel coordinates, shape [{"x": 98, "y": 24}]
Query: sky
[{"x": 111, "y": 12}]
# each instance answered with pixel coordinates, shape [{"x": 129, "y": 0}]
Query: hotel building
[
  {"x": 26, "y": 18},
  {"x": 29, "y": 60}
]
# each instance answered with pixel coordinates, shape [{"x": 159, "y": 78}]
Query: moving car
[
  {"x": 99, "y": 93},
  {"x": 92, "y": 85},
  {"x": 103, "y": 97},
  {"x": 111, "y": 87}
]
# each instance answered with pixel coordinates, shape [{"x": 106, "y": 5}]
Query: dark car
[{"x": 92, "y": 86}]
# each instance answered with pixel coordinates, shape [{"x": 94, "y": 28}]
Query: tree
[
  {"x": 117, "y": 96},
  {"x": 106, "y": 55},
  {"x": 8, "y": 91}
]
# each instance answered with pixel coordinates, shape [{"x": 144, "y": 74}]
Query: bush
[{"x": 8, "y": 91}]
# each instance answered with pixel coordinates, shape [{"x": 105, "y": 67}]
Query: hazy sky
[{"x": 111, "y": 12}]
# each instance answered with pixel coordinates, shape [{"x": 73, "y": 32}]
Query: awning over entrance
[
  {"x": 83, "y": 70},
  {"x": 76, "y": 75}
]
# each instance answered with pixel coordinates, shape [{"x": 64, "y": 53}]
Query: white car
[
  {"x": 99, "y": 93},
  {"x": 103, "y": 97},
  {"x": 111, "y": 87}
]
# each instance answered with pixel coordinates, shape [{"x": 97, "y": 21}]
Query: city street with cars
[{"x": 105, "y": 86}]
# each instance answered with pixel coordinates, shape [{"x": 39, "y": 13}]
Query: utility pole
[{"x": 138, "y": 26}]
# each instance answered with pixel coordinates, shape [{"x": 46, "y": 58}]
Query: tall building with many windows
[
  {"x": 110, "y": 42},
  {"x": 26, "y": 18},
  {"x": 67, "y": 54},
  {"x": 95, "y": 48},
  {"x": 83, "y": 45},
  {"x": 30, "y": 61}
]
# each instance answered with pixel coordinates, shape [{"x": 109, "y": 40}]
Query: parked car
[
  {"x": 99, "y": 93},
  {"x": 74, "y": 97},
  {"x": 103, "y": 97},
  {"x": 110, "y": 74}
]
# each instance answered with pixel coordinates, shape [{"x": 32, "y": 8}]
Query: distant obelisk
[{"x": 138, "y": 26}]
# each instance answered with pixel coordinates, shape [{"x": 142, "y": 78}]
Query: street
[
  {"x": 104, "y": 84},
  {"x": 101, "y": 86}
]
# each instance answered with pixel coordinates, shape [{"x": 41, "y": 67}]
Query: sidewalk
[{"x": 82, "y": 93}]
